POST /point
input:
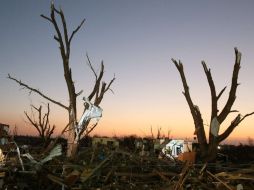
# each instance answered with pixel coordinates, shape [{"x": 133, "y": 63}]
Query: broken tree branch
[
  {"x": 195, "y": 112},
  {"x": 232, "y": 94},
  {"x": 221, "y": 92},
  {"x": 212, "y": 90},
  {"x": 36, "y": 91},
  {"x": 232, "y": 126},
  {"x": 100, "y": 88},
  {"x": 76, "y": 30}
]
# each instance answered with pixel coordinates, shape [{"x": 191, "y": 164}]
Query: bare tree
[
  {"x": 64, "y": 40},
  {"x": 41, "y": 124},
  {"x": 209, "y": 148}
]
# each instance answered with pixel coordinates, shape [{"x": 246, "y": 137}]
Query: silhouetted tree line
[
  {"x": 238, "y": 154},
  {"x": 34, "y": 141}
]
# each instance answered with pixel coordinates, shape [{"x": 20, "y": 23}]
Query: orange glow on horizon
[{"x": 114, "y": 127}]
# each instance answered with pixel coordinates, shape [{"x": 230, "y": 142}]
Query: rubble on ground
[
  {"x": 107, "y": 166},
  {"x": 102, "y": 168}
]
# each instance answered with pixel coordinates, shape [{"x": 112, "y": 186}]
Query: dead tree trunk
[
  {"x": 100, "y": 87},
  {"x": 64, "y": 42},
  {"x": 209, "y": 149},
  {"x": 42, "y": 124}
]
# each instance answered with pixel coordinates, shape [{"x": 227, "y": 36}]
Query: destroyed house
[{"x": 180, "y": 149}]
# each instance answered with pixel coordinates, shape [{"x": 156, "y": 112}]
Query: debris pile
[
  {"x": 108, "y": 166},
  {"x": 104, "y": 169}
]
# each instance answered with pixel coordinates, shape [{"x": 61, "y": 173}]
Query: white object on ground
[{"x": 56, "y": 151}]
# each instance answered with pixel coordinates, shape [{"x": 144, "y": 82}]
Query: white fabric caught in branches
[
  {"x": 92, "y": 112},
  {"x": 215, "y": 127}
]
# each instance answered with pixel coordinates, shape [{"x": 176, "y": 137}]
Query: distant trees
[
  {"x": 159, "y": 134},
  {"x": 209, "y": 148},
  {"x": 41, "y": 124},
  {"x": 76, "y": 129}
]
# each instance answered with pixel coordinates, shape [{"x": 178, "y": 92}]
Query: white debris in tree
[
  {"x": 215, "y": 127},
  {"x": 92, "y": 112}
]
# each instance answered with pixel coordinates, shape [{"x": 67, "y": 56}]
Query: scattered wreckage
[
  {"x": 101, "y": 167},
  {"x": 181, "y": 149}
]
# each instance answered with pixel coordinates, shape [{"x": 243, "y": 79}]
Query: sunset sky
[{"x": 136, "y": 39}]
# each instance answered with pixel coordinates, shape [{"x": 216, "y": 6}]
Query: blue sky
[{"x": 136, "y": 40}]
